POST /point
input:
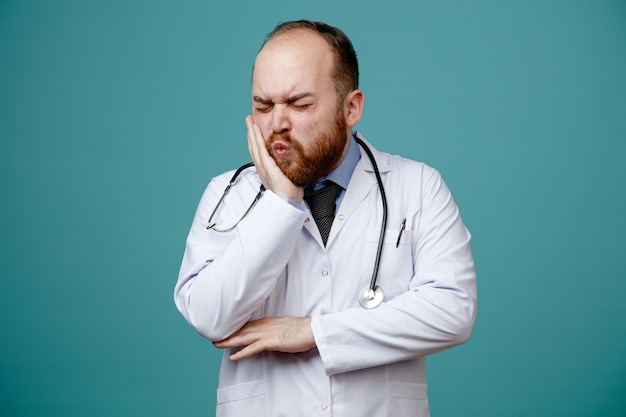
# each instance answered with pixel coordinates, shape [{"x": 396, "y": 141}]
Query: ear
[{"x": 353, "y": 107}]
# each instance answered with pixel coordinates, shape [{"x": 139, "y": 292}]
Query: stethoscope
[{"x": 372, "y": 295}]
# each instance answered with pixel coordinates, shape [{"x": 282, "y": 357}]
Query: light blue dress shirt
[{"x": 342, "y": 174}]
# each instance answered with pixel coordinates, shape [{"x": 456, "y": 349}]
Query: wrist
[{"x": 296, "y": 194}]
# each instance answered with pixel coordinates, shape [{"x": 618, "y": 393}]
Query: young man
[{"x": 281, "y": 291}]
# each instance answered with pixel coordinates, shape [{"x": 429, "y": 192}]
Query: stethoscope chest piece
[{"x": 371, "y": 298}]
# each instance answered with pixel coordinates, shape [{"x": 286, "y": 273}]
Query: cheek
[
  {"x": 307, "y": 126},
  {"x": 263, "y": 121}
]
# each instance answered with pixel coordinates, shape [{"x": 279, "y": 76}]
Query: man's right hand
[{"x": 270, "y": 174}]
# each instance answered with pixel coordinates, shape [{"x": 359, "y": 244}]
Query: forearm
[
  {"x": 435, "y": 312},
  {"x": 223, "y": 279},
  {"x": 417, "y": 323}
]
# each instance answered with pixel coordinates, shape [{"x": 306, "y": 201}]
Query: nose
[{"x": 280, "y": 119}]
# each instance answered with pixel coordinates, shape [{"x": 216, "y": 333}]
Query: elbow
[
  {"x": 203, "y": 322},
  {"x": 211, "y": 331},
  {"x": 463, "y": 335},
  {"x": 464, "y": 325},
  {"x": 209, "y": 323},
  {"x": 463, "y": 316},
  {"x": 452, "y": 334},
  {"x": 455, "y": 320}
]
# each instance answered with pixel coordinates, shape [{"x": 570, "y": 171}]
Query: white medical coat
[{"x": 367, "y": 362}]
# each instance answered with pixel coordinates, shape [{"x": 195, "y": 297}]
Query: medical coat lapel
[{"x": 362, "y": 183}]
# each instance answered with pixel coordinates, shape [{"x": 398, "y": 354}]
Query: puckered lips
[{"x": 280, "y": 149}]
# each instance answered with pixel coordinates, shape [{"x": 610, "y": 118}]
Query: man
[{"x": 280, "y": 298}]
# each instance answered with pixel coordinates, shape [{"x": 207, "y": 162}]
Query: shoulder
[
  {"x": 242, "y": 181},
  {"x": 245, "y": 174},
  {"x": 396, "y": 167},
  {"x": 400, "y": 165}
]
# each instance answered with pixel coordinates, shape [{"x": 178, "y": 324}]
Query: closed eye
[
  {"x": 261, "y": 105},
  {"x": 301, "y": 106},
  {"x": 263, "y": 108}
]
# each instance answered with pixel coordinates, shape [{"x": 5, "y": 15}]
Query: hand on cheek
[{"x": 270, "y": 174}]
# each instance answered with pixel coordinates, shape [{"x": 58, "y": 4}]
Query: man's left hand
[{"x": 281, "y": 334}]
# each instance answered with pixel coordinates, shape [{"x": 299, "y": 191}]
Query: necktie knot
[{"x": 322, "y": 203}]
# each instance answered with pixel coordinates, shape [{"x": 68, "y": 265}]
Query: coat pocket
[
  {"x": 241, "y": 400},
  {"x": 407, "y": 400},
  {"x": 396, "y": 262}
]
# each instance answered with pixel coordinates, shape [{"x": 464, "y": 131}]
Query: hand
[
  {"x": 280, "y": 334},
  {"x": 270, "y": 174}
]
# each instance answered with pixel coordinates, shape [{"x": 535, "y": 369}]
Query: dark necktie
[{"x": 323, "y": 203}]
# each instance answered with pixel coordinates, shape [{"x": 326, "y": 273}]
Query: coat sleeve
[
  {"x": 435, "y": 313},
  {"x": 225, "y": 277}
]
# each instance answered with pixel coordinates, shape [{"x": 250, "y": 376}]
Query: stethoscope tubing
[
  {"x": 371, "y": 296},
  {"x": 383, "y": 199}
]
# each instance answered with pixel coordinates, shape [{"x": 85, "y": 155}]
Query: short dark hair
[{"x": 346, "y": 70}]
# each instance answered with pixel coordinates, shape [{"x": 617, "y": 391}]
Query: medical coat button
[
  {"x": 341, "y": 217},
  {"x": 324, "y": 272},
  {"x": 324, "y": 406},
  {"x": 307, "y": 220}
]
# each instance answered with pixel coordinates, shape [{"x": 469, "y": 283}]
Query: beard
[{"x": 327, "y": 148}]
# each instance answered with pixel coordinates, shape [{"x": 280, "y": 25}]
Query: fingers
[
  {"x": 248, "y": 351},
  {"x": 270, "y": 174},
  {"x": 258, "y": 152},
  {"x": 256, "y": 144},
  {"x": 239, "y": 338},
  {"x": 251, "y": 347},
  {"x": 264, "y": 163},
  {"x": 251, "y": 337},
  {"x": 282, "y": 334}
]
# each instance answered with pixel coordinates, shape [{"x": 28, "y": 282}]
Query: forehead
[{"x": 296, "y": 62}]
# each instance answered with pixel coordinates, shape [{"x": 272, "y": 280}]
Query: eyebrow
[{"x": 291, "y": 99}]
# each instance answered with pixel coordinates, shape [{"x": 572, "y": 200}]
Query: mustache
[{"x": 283, "y": 137}]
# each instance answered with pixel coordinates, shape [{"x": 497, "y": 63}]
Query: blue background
[{"x": 114, "y": 115}]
